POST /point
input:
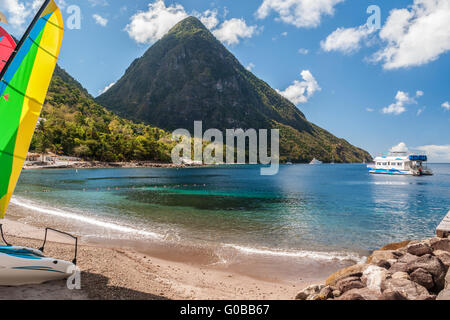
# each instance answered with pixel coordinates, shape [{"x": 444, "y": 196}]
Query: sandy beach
[{"x": 118, "y": 272}]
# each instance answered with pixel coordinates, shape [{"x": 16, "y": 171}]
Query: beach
[{"x": 122, "y": 273}]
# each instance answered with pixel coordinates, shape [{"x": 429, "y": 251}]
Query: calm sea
[{"x": 305, "y": 208}]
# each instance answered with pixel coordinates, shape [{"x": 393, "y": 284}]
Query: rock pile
[{"x": 400, "y": 271}]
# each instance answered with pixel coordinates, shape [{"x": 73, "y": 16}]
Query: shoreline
[{"x": 126, "y": 271}]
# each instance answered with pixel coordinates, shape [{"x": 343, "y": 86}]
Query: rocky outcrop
[{"x": 401, "y": 271}]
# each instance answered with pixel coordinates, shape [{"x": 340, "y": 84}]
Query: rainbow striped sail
[{"x": 24, "y": 83}]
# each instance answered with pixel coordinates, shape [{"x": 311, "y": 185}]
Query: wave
[
  {"x": 85, "y": 219},
  {"x": 315, "y": 255}
]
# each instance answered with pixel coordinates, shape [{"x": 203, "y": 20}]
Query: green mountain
[
  {"x": 189, "y": 75},
  {"x": 72, "y": 123}
]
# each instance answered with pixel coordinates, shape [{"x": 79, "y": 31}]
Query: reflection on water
[{"x": 326, "y": 207}]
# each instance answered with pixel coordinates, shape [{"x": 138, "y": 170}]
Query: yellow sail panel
[{"x": 23, "y": 90}]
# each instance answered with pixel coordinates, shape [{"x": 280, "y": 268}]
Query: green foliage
[{"x": 73, "y": 124}]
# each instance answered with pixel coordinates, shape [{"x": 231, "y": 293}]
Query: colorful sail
[
  {"x": 24, "y": 83},
  {"x": 7, "y": 46}
]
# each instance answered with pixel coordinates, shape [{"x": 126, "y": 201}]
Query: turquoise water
[{"x": 317, "y": 208}]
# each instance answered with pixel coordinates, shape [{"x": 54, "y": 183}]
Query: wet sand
[{"x": 118, "y": 271}]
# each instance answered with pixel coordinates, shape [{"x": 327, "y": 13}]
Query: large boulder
[
  {"x": 309, "y": 291},
  {"x": 382, "y": 255},
  {"x": 419, "y": 249},
  {"x": 444, "y": 295},
  {"x": 373, "y": 276},
  {"x": 396, "y": 246},
  {"x": 444, "y": 256},
  {"x": 349, "y": 283},
  {"x": 352, "y": 271},
  {"x": 423, "y": 277},
  {"x": 440, "y": 244},
  {"x": 432, "y": 265},
  {"x": 360, "y": 294},
  {"x": 406, "y": 288}
]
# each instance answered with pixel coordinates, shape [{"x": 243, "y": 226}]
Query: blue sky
[{"x": 374, "y": 87}]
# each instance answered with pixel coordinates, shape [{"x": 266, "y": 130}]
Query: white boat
[
  {"x": 399, "y": 163},
  {"x": 315, "y": 161}
]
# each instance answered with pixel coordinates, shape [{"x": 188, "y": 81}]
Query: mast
[{"x": 24, "y": 37}]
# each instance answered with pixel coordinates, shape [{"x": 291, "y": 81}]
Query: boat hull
[{"x": 24, "y": 266}]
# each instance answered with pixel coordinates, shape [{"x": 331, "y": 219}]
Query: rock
[
  {"x": 419, "y": 249},
  {"x": 408, "y": 289},
  {"x": 444, "y": 295},
  {"x": 349, "y": 283},
  {"x": 384, "y": 264},
  {"x": 309, "y": 291},
  {"x": 398, "y": 267},
  {"x": 326, "y": 293},
  {"x": 423, "y": 277},
  {"x": 400, "y": 275},
  {"x": 393, "y": 295},
  {"x": 434, "y": 266},
  {"x": 360, "y": 294},
  {"x": 396, "y": 246},
  {"x": 373, "y": 276},
  {"x": 355, "y": 270},
  {"x": 380, "y": 255},
  {"x": 440, "y": 244},
  {"x": 407, "y": 258},
  {"x": 444, "y": 256},
  {"x": 336, "y": 293}
]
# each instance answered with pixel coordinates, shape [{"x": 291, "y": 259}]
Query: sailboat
[{"x": 26, "y": 73}]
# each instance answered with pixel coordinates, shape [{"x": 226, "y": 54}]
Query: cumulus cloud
[
  {"x": 151, "y": 25},
  {"x": 301, "y": 91},
  {"x": 208, "y": 18},
  {"x": 435, "y": 153},
  {"x": 303, "y": 51},
  {"x": 250, "y": 66},
  {"x": 402, "y": 99},
  {"x": 233, "y": 30},
  {"x": 346, "y": 40},
  {"x": 109, "y": 86},
  {"x": 401, "y": 147},
  {"x": 415, "y": 35},
  {"x": 446, "y": 106},
  {"x": 100, "y": 20},
  {"x": 300, "y": 13}
]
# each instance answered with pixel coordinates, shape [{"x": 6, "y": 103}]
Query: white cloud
[
  {"x": 250, "y": 66},
  {"x": 397, "y": 108},
  {"x": 303, "y": 51},
  {"x": 346, "y": 40},
  {"x": 370, "y": 109},
  {"x": 208, "y": 18},
  {"x": 300, "y": 13},
  {"x": 284, "y": 34},
  {"x": 401, "y": 147},
  {"x": 100, "y": 20},
  {"x": 420, "y": 111},
  {"x": 151, "y": 25},
  {"x": 415, "y": 35},
  {"x": 446, "y": 106},
  {"x": 419, "y": 93},
  {"x": 436, "y": 153},
  {"x": 100, "y": 3},
  {"x": 19, "y": 12},
  {"x": 109, "y": 86},
  {"x": 301, "y": 91},
  {"x": 231, "y": 31}
]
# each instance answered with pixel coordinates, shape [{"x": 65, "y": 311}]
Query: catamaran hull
[
  {"x": 401, "y": 173},
  {"x": 18, "y": 268}
]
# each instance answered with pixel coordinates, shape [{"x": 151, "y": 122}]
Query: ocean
[{"x": 319, "y": 211}]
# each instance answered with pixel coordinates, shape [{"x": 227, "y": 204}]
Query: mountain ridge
[{"x": 189, "y": 75}]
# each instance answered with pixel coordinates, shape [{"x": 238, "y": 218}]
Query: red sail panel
[{"x": 7, "y": 46}]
